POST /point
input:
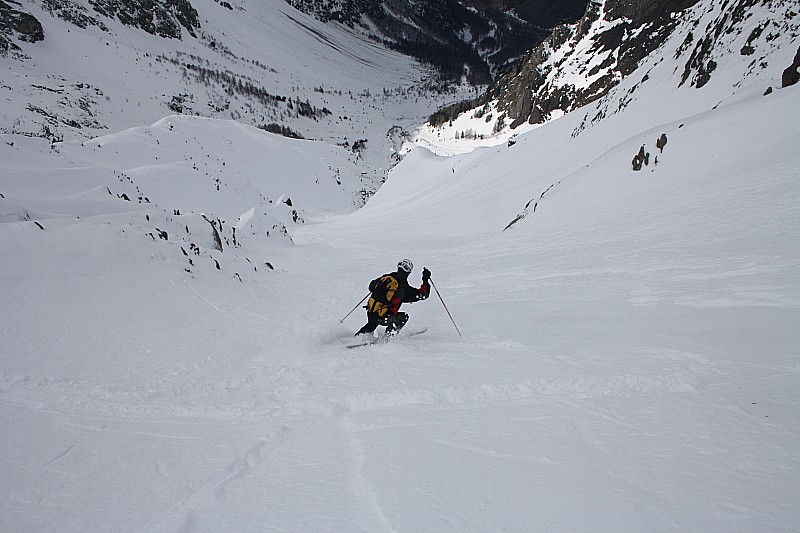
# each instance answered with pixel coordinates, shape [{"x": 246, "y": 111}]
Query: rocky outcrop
[
  {"x": 17, "y": 23},
  {"x": 641, "y": 158},
  {"x": 73, "y": 13},
  {"x": 790, "y": 75},
  {"x": 348, "y": 12},
  {"x": 536, "y": 90},
  {"x": 164, "y": 18}
]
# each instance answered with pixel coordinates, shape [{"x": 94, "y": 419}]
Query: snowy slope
[
  {"x": 630, "y": 360},
  {"x": 630, "y": 351},
  {"x": 259, "y": 63}
]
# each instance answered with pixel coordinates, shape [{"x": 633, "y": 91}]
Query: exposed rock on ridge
[
  {"x": 790, "y": 75},
  {"x": 581, "y": 63},
  {"x": 14, "y": 22},
  {"x": 164, "y": 17}
]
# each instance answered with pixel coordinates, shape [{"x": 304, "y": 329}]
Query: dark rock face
[
  {"x": 72, "y": 12},
  {"x": 521, "y": 91},
  {"x": 472, "y": 38},
  {"x": 641, "y": 158},
  {"x": 14, "y": 22},
  {"x": 28, "y": 27},
  {"x": 164, "y": 17},
  {"x": 790, "y": 75},
  {"x": 622, "y": 44},
  {"x": 644, "y": 11},
  {"x": 348, "y": 12},
  {"x": 661, "y": 142}
]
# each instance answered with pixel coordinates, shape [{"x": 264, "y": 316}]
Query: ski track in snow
[{"x": 214, "y": 486}]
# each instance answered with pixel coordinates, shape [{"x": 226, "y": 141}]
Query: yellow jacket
[
  {"x": 380, "y": 303},
  {"x": 390, "y": 291}
]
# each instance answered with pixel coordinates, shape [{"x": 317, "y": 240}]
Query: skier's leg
[
  {"x": 372, "y": 322},
  {"x": 397, "y": 322}
]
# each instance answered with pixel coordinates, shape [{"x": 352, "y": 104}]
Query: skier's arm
[
  {"x": 425, "y": 289},
  {"x": 415, "y": 295}
]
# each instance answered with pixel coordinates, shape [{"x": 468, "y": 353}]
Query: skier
[{"x": 388, "y": 293}]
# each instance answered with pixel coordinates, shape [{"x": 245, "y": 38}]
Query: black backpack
[{"x": 379, "y": 287}]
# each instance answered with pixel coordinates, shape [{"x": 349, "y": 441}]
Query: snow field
[
  {"x": 628, "y": 360},
  {"x": 630, "y": 350}
]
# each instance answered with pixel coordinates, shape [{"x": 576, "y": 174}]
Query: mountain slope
[
  {"x": 653, "y": 311},
  {"x": 581, "y": 63},
  {"x": 96, "y": 69},
  {"x": 643, "y": 320},
  {"x": 629, "y": 350}
]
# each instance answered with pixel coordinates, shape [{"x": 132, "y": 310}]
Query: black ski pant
[{"x": 393, "y": 323}]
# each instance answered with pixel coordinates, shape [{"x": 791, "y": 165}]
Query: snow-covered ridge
[{"x": 685, "y": 44}]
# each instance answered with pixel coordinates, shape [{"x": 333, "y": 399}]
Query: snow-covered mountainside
[
  {"x": 583, "y": 62},
  {"x": 174, "y": 296},
  {"x": 75, "y": 69}
]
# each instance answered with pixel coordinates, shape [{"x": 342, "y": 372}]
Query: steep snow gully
[{"x": 629, "y": 359}]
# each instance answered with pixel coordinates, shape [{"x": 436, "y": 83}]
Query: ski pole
[
  {"x": 356, "y": 307},
  {"x": 445, "y": 307}
]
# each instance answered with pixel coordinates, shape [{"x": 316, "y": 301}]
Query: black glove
[{"x": 426, "y": 275}]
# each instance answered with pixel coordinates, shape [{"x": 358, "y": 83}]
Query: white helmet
[{"x": 405, "y": 265}]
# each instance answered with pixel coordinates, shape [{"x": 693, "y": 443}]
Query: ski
[{"x": 384, "y": 340}]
